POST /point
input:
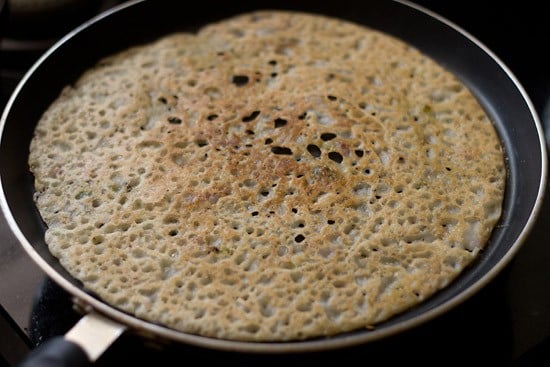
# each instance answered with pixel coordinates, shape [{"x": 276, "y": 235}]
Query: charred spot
[
  {"x": 359, "y": 153},
  {"x": 327, "y": 136},
  {"x": 299, "y": 238},
  {"x": 314, "y": 150},
  {"x": 174, "y": 120},
  {"x": 331, "y": 97},
  {"x": 281, "y": 150},
  {"x": 272, "y": 62},
  {"x": 212, "y": 117},
  {"x": 268, "y": 141},
  {"x": 239, "y": 80},
  {"x": 279, "y": 122},
  {"x": 162, "y": 100},
  {"x": 336, "y": 157},
  {"x": 303, "y": 116},
  {"x": 251, "y": 117}
]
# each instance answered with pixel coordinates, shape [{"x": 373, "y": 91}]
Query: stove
[{"x": 506, "y": 323}]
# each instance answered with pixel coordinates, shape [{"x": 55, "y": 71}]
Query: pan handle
[
  {"x": 81, "y": 346},
  {"x": 57, "y": 352}
]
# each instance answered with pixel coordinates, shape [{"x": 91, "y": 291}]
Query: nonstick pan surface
[{"x": 138, "y": 22}]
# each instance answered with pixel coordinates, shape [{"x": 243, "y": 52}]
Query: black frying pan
[{"x": 141, "y": 21}]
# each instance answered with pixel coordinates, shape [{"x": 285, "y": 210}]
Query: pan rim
[{"x": 148, "y": 328}]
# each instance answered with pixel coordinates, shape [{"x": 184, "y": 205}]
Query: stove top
[{"x": 506, "y": 323}]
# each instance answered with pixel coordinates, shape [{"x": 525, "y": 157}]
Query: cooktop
[{"x": 506, "y": 323}]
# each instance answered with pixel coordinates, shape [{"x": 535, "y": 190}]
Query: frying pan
[{"x": 140, "y": 21}]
